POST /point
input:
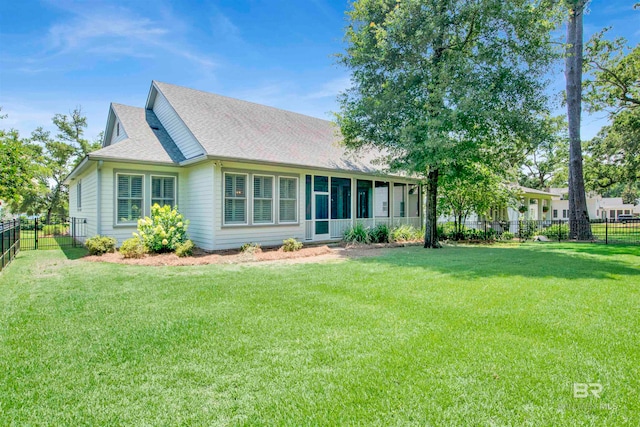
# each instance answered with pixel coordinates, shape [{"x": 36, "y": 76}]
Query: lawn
[{"x": 484, "y": 335}]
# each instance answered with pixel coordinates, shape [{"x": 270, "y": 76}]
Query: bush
[
  {"x": 133, "y": 248},
  {"x": 55, "y": 230},
  {"x": 184, "y": 249},
  {"x": 556, "y": 232},
  {"x": 291, "y": 245},
  {"x": 250, "y": 248},
  {"x": 507, "y": 235},
  {"x": 404, "y": 233},
  {"x": 379, "y": 234},
  {"x": 98, "y": 245},
  {"x": 357, "y": 234},
  {"x": 527, "y": 229},
  {"x": 164, "y": 230}
]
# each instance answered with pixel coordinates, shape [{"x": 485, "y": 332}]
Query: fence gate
[{"x": 51, "y": 233}]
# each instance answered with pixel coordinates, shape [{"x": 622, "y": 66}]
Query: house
[
  {"x": 599, "y": 207},
  {"x": 239, "y": 171}
]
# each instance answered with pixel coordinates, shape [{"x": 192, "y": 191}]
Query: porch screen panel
[
  {"x": 364, "y": 207},
  {"x": 235, "y": 199},
  {"x": 163, "y": 190},
  {"x": 414, "y": 201},
  {"x": 262, "y": 199},
  {"x": 307, "y": 195},
  {"x": 399, "y": 204},
  {"x": 129, "y": 198},
  {"x": 381, "y": 208},
  {"x": 340, "y": 198},
  {"x": 288, "y": 202}
]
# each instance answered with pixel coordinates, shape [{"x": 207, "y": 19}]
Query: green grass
[{"x": 491, "y": 335}]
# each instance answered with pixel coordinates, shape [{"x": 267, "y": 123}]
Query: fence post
[
  {"x": 2, "y": 246},
  {"x": 73, "y": 231},
  {"x": 35, "y": 233},
  {"x": 606, "y": 231}
]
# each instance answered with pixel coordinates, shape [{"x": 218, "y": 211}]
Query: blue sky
[{"x": 59, "y": 54}]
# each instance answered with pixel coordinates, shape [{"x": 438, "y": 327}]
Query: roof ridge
[{"x": 243, "y": 101}]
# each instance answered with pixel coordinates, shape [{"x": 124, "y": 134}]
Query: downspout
[{"x": 99, "y": 196}]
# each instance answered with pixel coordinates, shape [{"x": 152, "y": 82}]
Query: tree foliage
[
  {"x": 17, "y": 165},
  {"x": 437, "y": 83},
  {"x": 546, "y": 156},
  {"x": 472, "y": 188},
  {"x": 52, "y": 158},
  {"x": 613, "y": 156}
]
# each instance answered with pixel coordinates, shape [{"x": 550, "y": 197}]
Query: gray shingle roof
[
  {"x": 147, "y": 140},
  {"x": 231, "y": 128}
]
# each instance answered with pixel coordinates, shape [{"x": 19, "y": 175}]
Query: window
[
  {"x": 565, "y": 213},
  {"x": 129, "y": 198},
  {"x": 288, "y": 199},
  {"x": 163, "y": 190},
  {"x": 398, "y": 200},
  {"x": 262, "y": 199},
  {"x": 235, "y": 198},
  {"x": 79, "y": 195},
  {"x": 118, "y": 129},
  {"x": 555, "y": 213}
]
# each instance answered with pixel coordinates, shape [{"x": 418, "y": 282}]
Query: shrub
[
  {"x": 379, "y": 234},
  {"x": 507, "y": 235},
  {"x": 250, "y": 248},
  {"x": 556, "y": 232},
  {"x": 404, "y": 233},
  {"x": 291, "y": 245},
  {"x": 184, "y": 249},
  {"x": 55, "y": 230},
  {"x": 133, "y": 248},
  {"x": 357, "y": 234},
  {"x": 527, "y": 229},
  {"x": 98, "y": 245},
  {"x": 163, "y": 230}
]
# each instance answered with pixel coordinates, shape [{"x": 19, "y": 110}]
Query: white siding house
[{"x": 239, "y": 172}]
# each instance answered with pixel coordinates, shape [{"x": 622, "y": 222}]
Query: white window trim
[
  {"x": 118, "y": 222},
  {"x": 247, "y": 192},
  {"x": 273, "y": 198},
  {"x": 296, "y": 199},
  {"x": 175, "y": 188}
]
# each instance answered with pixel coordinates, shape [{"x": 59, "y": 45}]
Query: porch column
[
  {"x": 527, "y": 204},
  {"x": 540, "y": 213}
]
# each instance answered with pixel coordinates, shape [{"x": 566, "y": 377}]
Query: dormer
[{"x": 114, "y": 131}]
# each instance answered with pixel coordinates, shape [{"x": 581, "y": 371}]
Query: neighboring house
[
  {"x": 239, "y": 171},
  {"x": 598, "y": 207},
  {"x": 536, "y": 202}
]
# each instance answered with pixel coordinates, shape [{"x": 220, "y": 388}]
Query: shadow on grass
[
  {"x": 74, "y": 253},
  {"x": 536, "y": 260}
]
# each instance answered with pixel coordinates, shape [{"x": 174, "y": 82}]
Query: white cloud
[
  {"x": 116, "y": 32},
  {"x": 331, "y": 88}
]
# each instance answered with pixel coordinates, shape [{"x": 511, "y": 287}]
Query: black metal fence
[
  {"x": 10, "y": 241},
  {"x": 52, "y": 233},
  {"x": 599, "y": 231}
]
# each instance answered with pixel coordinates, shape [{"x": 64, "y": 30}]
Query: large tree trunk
[
  {"x": 431, "y": 224},
  {"x": 578, "y": 213}
]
